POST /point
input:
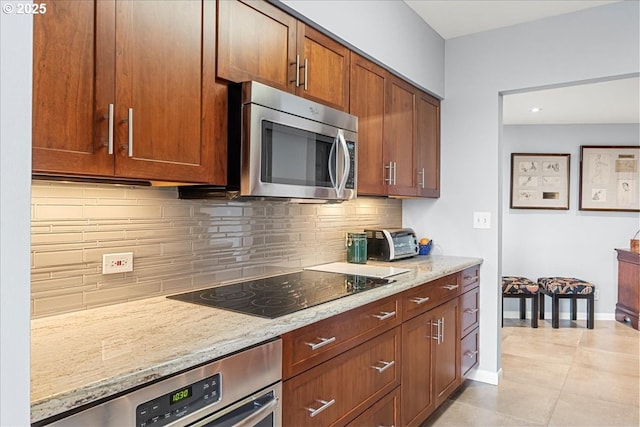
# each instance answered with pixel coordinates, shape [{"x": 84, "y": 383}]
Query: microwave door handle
[
  {"x": 333, "y": 167},
  {"x": 346, "y": 163}
]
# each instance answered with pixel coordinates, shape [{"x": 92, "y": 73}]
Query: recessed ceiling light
[{"x": 535, "y": 109}]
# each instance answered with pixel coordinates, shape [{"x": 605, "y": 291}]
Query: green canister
[{"x": 356, "y": 245}]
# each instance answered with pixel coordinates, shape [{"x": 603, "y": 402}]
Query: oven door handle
[{"x": 256, "y": 416}]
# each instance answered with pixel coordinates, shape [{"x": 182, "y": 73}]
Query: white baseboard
[
  {"x": 485, "y": 376},
  {"x": 563, "y": 315}
]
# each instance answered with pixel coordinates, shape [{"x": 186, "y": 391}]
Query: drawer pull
[
  {"x": 419, "y": 300},
  {"x": 450, "y": 287},
  {"x": 322, "y": 343},
  {"x": 385, "y": 315},
  {"x": 386, "y": 365},
  {"x": 471, "y": 354},
  {"x": 325, "y": 405},
  {"x": 470, "y": 278},
  {"x": 471, "y": 310}
]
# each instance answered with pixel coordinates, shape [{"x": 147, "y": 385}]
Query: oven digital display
[{"x": 179, "y": 395}]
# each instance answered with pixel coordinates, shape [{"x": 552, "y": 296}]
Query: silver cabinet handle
[
  {"x": 130, "y": 132},
  {"x": 322, "y": 343},
  {"x": 385, "y": 366},
  {"x": 471, "y": 310},
  {"x": 421, "y": 173},
  {"x": 471, "y": 354},
  {"x": 325, "y": 405},
  {"x": 395, "y": 168},
  {"x": 306, "y": 74},
  {"x": 297, "y": 63},
  {"x": 450, "y": 287},
  {"x": 385, "y": 315},
  {"x": 418, "y": 300},
  {"x": 441, "y": 332},
  {"x": 470, "y": 277},
  {"x": 110, "y": 117},
  {"x": 437, "y": 337},
  {"x": 390, "y": 179}
]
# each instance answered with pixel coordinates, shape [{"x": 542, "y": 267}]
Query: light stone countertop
[{"x": 80, "y": 357}]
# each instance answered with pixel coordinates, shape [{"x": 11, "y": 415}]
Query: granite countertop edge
[{"x": 83, "y": 357}]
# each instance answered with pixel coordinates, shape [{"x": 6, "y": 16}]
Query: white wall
[
  {"x": 590, "y": 44},
  {"x": 569, "y": 242},
  {"x": 15, "y": 204},
  {"x": 388, "y": 31}
]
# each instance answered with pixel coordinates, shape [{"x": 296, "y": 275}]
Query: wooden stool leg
[
  {"x": 534, "y": 311},
  {"x": 590, "y": 311},
  {"x": 574, "y": 308},
  {"x": 523, "y": 307},
  {"x": 541, "y": 294},
  {"x": 555, "y": 311}
]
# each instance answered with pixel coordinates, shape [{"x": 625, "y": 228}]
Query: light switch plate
[
  {"x": 117, "y": 263},
  {"x": 482, "y": 220}
]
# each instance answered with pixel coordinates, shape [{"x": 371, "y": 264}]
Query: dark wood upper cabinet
[
  {"x": 258, "y": 41},
  {"x": 73, "y": 86},
  {"x": 400, "y": 137},
  {"x": 427, "y": 161},
  {"x": 367, "y": 101},
  {"x": 147, "y": 76}
]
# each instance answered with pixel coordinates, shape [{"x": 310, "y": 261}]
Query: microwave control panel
[{"x": 351, "y": 180}]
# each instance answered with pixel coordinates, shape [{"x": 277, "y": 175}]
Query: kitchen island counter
[{"x": 82, "y": 357}]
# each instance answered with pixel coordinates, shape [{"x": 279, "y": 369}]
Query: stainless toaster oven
[{"x": 391, "y": 244}]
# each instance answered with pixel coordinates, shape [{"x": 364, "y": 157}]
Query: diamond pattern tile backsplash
[{"x": 177, "y": 245}]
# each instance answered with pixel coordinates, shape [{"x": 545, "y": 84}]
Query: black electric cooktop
[{"x": 276, "y": 296}]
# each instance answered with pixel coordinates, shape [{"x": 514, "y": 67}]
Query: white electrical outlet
[
  {"x": 596, "y": 294},
  {"x": 117, "y": 263},
  {"x": 482, "y": 220}
]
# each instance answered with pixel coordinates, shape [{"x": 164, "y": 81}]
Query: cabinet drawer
[
  {"x": 431, "y": 294},
  {"x": 335, "y": 391},
  {"x": 385, "y": 412},
  {"x": 470, "y": 278},
  {"x": 469, "y": 311},
  {"x": 469, "y": 352},
  {"x": 308, "y": 346}
]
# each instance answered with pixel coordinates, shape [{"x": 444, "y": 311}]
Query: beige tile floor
[{"x": 571, "y": 376}]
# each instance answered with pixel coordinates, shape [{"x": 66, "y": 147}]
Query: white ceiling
[{"x": 615, "y": 101}]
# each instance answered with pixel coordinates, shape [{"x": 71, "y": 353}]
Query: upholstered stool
[
  {"x": 566, "y": 287},
  {"x": 522, "y": 288}
]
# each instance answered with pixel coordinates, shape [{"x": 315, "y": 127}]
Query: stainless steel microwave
[{"x": 284, "y": 146}]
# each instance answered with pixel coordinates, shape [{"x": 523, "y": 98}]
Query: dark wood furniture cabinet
[
  {"x": 427, "y": 155},
  {"x": 628, "y": 306},
  {"x": 123, "y": 92},
  {"x": 257, "y": 41}
]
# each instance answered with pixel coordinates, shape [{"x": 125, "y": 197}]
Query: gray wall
[
  {"x": 595, "y": 43},
  {"x": 15, "y": 181},
  {"x": 570, "y": 242},
  {"x": 388, "y": 31}
]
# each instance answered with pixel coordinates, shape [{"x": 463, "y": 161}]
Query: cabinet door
[
  {"x": 165, "y": 97},
  {"x": 367, "y": 98},
  {"x": 324, "y": 68},
  {"x": 428, "y": 145},
  {"x": 73, "y": 85},
  {"x": 400, "y": 136},
  {"x": 446, "y": 359},
  {"x": 417, "y": 400},
  {"x": 256, "y": 41}
]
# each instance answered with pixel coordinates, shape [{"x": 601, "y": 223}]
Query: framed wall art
[
  {"x": 609, "y": 178},
  {"x": 539, "y": 181}
]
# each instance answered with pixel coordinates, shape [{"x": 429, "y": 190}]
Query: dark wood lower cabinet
[
  {"x": 628, "y": 306},
  {"x": 404, "y": 358}
]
